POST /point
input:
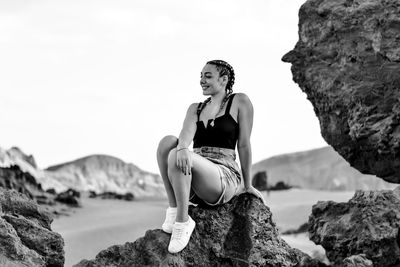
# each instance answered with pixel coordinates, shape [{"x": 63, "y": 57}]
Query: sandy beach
[{"x": 103, "y": 223}]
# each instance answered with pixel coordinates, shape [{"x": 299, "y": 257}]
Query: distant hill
[
  {"x": 102, "y": 173},
  {"x": 15, "y": 156},
  {"x": 322, "y": 169},
  {"x": 99, "y": 173}
]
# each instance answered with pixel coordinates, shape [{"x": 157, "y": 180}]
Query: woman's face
[{"x": 210, "y": 81}]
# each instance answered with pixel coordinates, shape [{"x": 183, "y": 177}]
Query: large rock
[
  {"x": 347, "y": 61},
  {"x": 362, "y": 230},
  {"x": 26, "y": 238},
  {"x": 240, "y": 233}
]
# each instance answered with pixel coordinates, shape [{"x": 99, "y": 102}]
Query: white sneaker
[
  {"x": 170, "y": 216},
  {"x": 180, "y": 237}
]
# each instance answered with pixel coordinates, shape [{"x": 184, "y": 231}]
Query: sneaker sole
[{"x": 166, "y": 229}]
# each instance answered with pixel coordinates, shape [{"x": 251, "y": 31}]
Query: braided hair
[{"x": 225, "y": 69}]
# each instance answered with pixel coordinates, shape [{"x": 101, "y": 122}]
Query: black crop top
[{"x": 224, "y": 133}]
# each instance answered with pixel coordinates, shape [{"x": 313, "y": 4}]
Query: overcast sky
[{"x": 113, "y": 77}]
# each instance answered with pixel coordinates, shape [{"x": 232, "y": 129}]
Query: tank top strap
[
  {"x": 199, "y": 109},
  {"x": 201, "y": 106},
  {"x": 228, "y": 107}
]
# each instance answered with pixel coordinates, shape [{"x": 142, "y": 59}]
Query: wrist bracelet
[{"x": 181, "y": 149}]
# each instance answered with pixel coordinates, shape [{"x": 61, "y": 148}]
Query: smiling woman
[{"x": 209, "y": 174}]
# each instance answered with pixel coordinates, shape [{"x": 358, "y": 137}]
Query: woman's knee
[{"x": 166, "y": 144}]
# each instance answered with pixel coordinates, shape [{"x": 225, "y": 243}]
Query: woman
[{"x": 209, "y": 173}]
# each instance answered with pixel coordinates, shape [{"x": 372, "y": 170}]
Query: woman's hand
[
  {"x": 255, "y": 192},
  {"x": 184, "y": 160}
]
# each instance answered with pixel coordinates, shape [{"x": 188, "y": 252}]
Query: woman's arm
[
  {"x": 188, "y": 128},
  {"x": 183, "y": 157},
  {"x": 245, "y": 120}
]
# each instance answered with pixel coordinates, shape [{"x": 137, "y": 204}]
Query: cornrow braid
[{"x": 225, "y": 69}]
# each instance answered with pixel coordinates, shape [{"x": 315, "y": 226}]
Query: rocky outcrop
[
  {"x": 240, "y": 233},
  {"x": 15, "y": 157},
  {"x": 260, "y": 181},
  {"x": 362, "y": 230},
  {"x": 70, "y": 197},
  {"x": 23, "y": 182},
  {"x": 347, "y": 61},
  {"x": 26, "y": 238},
  {"x": 112, "y": 195},
  {"x": 14, "y": 178}
]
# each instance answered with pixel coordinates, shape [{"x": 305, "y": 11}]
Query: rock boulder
[
  {"x": 347, "y": 61},
  {"x": 363, "y": 231},
  {"x": 26, "y": 238},
  {"x": 240, "y": 233}
]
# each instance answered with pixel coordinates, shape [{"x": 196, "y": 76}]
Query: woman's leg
[
  {"x": 205, "y": 181},
  {"x": 165, "y": 146}
]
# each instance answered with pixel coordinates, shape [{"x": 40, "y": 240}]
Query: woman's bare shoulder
[
  {"x": 242, "y": 99},
  {"x": 193, "y": 108}
]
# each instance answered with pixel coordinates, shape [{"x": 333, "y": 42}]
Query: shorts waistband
[{"x": 219, "y": 150}]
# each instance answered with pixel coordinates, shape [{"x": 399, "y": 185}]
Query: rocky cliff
[
  {"x": 98, "y": 173},
  {"x": 14, "y": 178},
  {"x": 347, "y": 61},
  {"x": 240, "y": 233},
  {"x": 16, "y": 157},
  {"x": 26, "y": 238},
  {"x": 23, "y": 182}
]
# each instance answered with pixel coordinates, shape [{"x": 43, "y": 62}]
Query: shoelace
[{"x": 177, "y": 233}]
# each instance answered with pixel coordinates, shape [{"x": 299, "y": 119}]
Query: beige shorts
[{"x": 229, "y": 172}]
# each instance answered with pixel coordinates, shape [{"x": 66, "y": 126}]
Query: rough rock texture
[
  {"x": 347, "y": 61},
  {"x": 357, "y": 261},
  {"x": 240, "y": 233},
  {"x": 368, "y": 224},
  {"x": 26, "y": 238}
]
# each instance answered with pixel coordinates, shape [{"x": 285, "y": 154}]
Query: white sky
[{"x": 113, "y": 77}]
